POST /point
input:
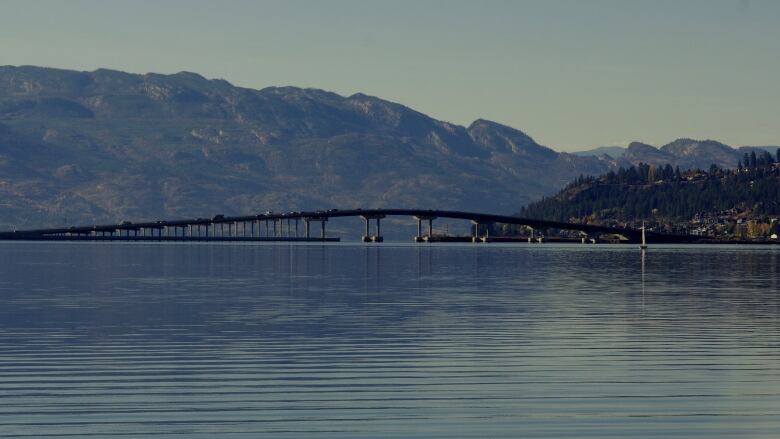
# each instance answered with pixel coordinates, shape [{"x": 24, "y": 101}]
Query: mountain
[
  {"x": 690, "y": 154},
  {"x": 685, "y": 153},
  {"x": 612, "y": 151},
  {"x": 104, "y": 146}
]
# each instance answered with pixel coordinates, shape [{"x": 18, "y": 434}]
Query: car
[
  {"x": 126, "y": 223},
  {"x": 218, "y": 217}
]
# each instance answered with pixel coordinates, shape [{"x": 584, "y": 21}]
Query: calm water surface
[{"x": 354, "y": 341}]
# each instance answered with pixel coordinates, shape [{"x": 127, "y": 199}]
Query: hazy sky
[{"x": 572, "y": 74}]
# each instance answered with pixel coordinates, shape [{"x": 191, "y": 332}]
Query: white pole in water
[{"x": 644, "y": 241}]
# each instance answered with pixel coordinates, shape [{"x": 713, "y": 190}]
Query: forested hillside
[{"x": 667, "y": 196}]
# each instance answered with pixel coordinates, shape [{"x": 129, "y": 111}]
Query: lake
[{"x": 388, "y": 341}]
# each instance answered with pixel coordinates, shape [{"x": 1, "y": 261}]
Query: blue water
[{"x": 388, "y": 341}]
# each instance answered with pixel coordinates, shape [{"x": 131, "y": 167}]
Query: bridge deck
[{"x": 185, "y": 226}]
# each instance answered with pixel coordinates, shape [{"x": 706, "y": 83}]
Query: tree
[{"x": 753, "y": 160}]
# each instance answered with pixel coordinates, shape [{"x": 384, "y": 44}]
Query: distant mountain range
[
  {"x": 685, "y": 153},
  {"x": 612, "y": 151},
  {"x": 105, "y": 146},
  {"x": 92, "y": 147}
]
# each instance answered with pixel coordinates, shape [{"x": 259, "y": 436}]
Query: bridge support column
[
  {"x": 307, "y": 226},
  {"x": 373, "y": 238},
  {"x": 420, "y": 219},
  {"x": 378, "y": 237},
  {"x": 475, "y": 236}
]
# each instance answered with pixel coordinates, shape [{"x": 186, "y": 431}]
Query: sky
[{"x": 572, "y": 74}]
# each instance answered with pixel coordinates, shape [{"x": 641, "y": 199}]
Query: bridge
[{"x": 270, "y": 226}]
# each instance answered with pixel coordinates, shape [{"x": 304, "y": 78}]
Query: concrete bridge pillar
[
  {"x": 307, "y": 226},
  {"x": 420, "y": 219},
  {"x": 475, "y": 235},
  {"x": 378, "y": 236}
]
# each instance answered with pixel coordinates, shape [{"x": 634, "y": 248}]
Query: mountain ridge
[
  {"x": 108, "y": 145},
  {"x": 684, "y": 152}
]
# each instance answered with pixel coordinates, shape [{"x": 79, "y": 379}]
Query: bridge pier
[
  {"x": 373, "y": 238},
  {"x": 475, "y": 235},
  {"x": 420, "y": 237},
  {"x": 307, "y": 226}
]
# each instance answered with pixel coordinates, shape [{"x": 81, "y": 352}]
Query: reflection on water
[{"x": 339, "y": 341}]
